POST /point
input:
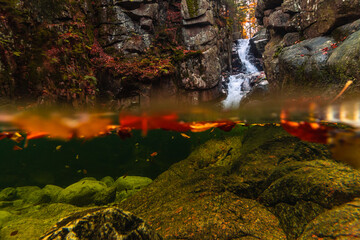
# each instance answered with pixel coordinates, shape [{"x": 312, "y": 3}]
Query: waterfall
[{"x": 239, "y": 84}]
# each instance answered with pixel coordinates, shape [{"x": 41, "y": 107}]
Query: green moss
[
  {"x": 193, "y": 7},
  {"x": 278, "y": 51}
]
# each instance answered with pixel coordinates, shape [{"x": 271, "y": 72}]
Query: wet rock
[
  {"x": 131, "y": 182},
  {"x": 339, "y": 223},
  {"x": 109, "y": 181},
  {"x": 33, "y": 221},
  {"x": 38, "y": 197},
  {"x": 102, "y": 223},
  {"x": 52, "y": 191},
  {"x": 4, "y": 217},
  {"x": 87, "y": 192},
  {"x": 26, "y": 191},
  {"x": 345, "y": 59},
  {"x": 8, "y": 194},
  {"x": 192, "y": 193}
]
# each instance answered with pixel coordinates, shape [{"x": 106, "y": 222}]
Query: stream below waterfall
[{"x": 240, "y": 84}]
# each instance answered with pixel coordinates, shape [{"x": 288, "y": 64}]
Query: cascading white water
[{"x": 239, "y": 84}]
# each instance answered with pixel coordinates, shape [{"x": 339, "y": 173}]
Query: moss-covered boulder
[
  {"x": 344, "y": 61},
  {"x": 339, "y": 223},
  {"x": 87, "y": 192},
  {"x": 8, "y": 194}
]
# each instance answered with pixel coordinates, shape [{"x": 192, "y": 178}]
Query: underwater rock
[
  {"x": 4, "y": 217},
  {"x": 52, "y": 191},
  {"x": 102, "y": 223},
  {"x": 38, "y": 197},
  {"x": 8, "y": 194},
  {"x": 87, "y": 192},
  {"x": 339, "y": 223},
  {"x": 24, "y": 192},
  {"x": 33, "y": 221},
  {"x": 109, "y": 181},
  {"x": 131, "y": 182}
]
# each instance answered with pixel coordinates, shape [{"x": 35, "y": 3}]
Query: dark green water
[{"x": 46, "y": 161}]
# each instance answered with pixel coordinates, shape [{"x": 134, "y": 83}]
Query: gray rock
[
  {"x": 344, "y": 31},
  {"x": 102, "y": 223},
  {"x": 345, "y": 58},
  {"x": 291, "y": 38},
  {"x": 8, "y": 194},
  {"x": 87, "y": 192},
  {"x": 259, "y": 41},
  {"x": 196, "y": 9},
  {"x": 131, "y": 182}
]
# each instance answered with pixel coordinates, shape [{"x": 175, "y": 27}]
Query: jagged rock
[
  {"x": 258, "y": 42},
  {"x": 146, "y": 10},
  {"x": 102, "y": 223},
  {"x": 339, "y": 223},
  {"x": 87, "y": 192},
  {"x": 277, "y": 20},
  {"x": 193, "y": 8}
]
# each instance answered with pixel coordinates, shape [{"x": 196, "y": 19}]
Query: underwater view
[{"x": 179, "y": 119}]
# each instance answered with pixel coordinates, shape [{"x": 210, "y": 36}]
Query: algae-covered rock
[
  {"x": 4, "y": 217},
  {"x": 52, "y": 191},
  {"x": 339, "y": 223},
  {"x": 38, "y": 197},
  {"x": 109, "y": 181},
  {"x": 8, "y": 194},
  {"x": 87, "y": 192},
  {"x": 194, "y": 195},
  {"x": 34, "y": 221},
  {"x": 24, "y": 192},
  {"x": 323, "y": 182},
  {"x": 131, "y": 182},
  {"x": 102, "y": 223}
]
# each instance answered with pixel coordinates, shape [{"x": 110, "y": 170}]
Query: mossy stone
[
  {"x": 131, "y": 182},
  {"x": 8, "y": 194}
]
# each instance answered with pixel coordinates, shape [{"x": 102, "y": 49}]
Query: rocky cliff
[
  {"x": 314, "y": 43},
  {"x": 77, "y": 51}
]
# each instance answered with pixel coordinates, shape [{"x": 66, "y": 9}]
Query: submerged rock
[
  {"x": 259, "y": 184},
  {"x": 8, "y": 194},
  {"x": 129, "y": 185},
  {"x": 339, "y": 223},
  {"x": 101, "y": 223},
  {"x": 87, "y": 192}
]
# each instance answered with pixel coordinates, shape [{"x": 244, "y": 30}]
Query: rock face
[
  {"x": 101, "y": 223},
  {"x": 321, "y": 26},
  {"x": 128, "y": 48}
]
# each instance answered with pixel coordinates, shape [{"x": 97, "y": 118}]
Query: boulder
[
  {"x": 131, "y": 183},
  {"x": 87, "y": 192},
  {"x": 52, "y": 191},
  {"x": 25, "y": 192},
  {"x": 258, "y": 42},
  {"x": 344, "y": 31},
  {"x": 339, "y": 223},
  {"x": 193, "y": 8},
  {"x": 344, "y": 61},
  {"x": 109, "y": 181}
]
